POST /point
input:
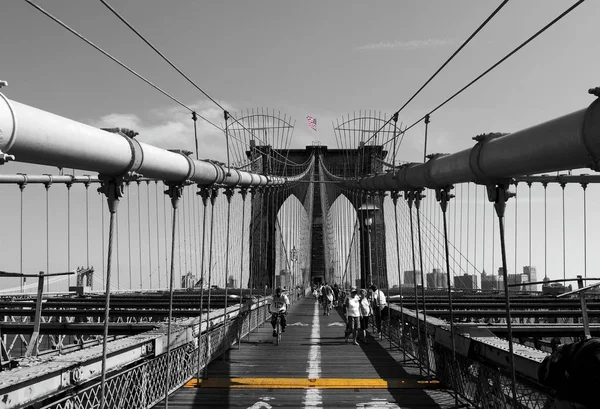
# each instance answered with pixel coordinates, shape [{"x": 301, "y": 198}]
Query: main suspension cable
[
  {"x": 487, "y": 20},
  {"x": 507, "y": 56},
  {"x": 156, "y": 87}
]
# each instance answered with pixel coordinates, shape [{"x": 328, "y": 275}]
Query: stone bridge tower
[{"x": 317, "y": 194}]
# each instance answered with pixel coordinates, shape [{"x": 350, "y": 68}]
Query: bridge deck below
[{"x": 313, "y": 367}]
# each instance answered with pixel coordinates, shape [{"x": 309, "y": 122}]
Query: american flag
[{"x": 312, "y": 122}]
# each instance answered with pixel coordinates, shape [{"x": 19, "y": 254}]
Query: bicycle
[
  {"x": 278, "y": 315},
  {"x": 328, "y": 306}
]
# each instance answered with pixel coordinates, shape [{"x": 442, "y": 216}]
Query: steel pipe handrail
[
  {"x": 571, "y": 141},
  {"x": 36, "y": 136}
]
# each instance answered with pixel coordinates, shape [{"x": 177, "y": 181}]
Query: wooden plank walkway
[{"x": 313, "y": 367}]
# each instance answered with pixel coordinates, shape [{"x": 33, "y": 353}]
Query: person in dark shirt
[{"x": 573, "y": 371}]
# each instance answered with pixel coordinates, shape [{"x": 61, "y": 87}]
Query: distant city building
[
  {"x": 188, "y": 281},
  {"x": 489, "y": 282},
  {"x": 436, "y": 279},
  {"x": 518, "y": 282},
  {"x": 465, "y": 282},
  {"x": 531, "y": 273},
  {"x": 409, "y": 277}
]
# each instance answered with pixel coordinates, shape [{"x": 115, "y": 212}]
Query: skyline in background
[{"x": 339, "y": 59}]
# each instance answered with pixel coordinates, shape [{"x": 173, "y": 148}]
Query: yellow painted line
[{"x": 319, "y": 383}]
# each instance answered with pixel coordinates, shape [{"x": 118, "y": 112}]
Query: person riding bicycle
[
  {"x": 279, "y": 307},
  {"x": 327, "y": 298}
]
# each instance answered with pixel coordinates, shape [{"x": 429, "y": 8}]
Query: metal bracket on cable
[
  {"x": 113, "y": 189},
  {"x": 4, "y": 157},
  {"x": 499, "y": 193},
  {"x": 443, "y": 196},
  {"x": 175, "y": 191},
  {"x": 24, "y": 182}
]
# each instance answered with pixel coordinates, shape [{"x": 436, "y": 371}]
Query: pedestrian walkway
[{"x": 313, "y": 367}]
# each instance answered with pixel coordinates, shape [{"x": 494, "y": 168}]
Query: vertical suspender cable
[
  {"x": 564, "y": 246},
  {"x": 21, "y": 188},
  {"x": 425, "y": 145},
  {"x": 484, "y": 237},
  {"x": 545, "y": 184},
  {"x": 149, "y": 241},
  {"x": 47, "y": 185},
  {"x": 516, "y": 225},
  {"x": 129, "y": 232},
  {"x": 165, "y": 232},
  {"x": 529, "y": 190},
  {"x": 502, "y": 195},
  {"x": 68, "y": 229},
  {"x": 113, "y": 191},
  {"x": 195, "y": 223},
  {"x": 243, "y": 193},
  {"x": 195, "y": 118},
  {"x": 87, "y": 223},
  {"x": 175, "y": 192},
  {"x": 584, "y": 187},
  {"x": 468, "y": 225},
  {"x": 228, "y": 194},
  {"x": 443, "y": 196},
  {"x": 205, "y": 195},
  {"x": 157, "y": 235},
  {"x": 213, "y": 196},
  {"x": 139, "y": 211},
  {"x": 102, "y": 228},
  {"x": 395, "y": 196},
  {"x": 183, "y": 231},
  {"x": 410, "y": 195},
  {"x": 419, "y": 196}
]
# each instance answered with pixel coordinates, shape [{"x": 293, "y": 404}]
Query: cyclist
[
  {"x": 279, "y": 306},
  {"x": 327, "y": 298},
  {"x": 336, "y": 295}
]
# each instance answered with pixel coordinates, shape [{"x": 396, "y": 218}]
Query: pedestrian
[
  {"x": 365, "y": 314},
  {"x": 352, "y": 312},
  {"x": 379, "y": 303},
  {"x": 573, "y": 371}
]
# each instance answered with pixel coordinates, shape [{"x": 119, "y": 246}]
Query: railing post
[
  {"x": 33, "y": 342},
  {"x": 584, "y": 313}
]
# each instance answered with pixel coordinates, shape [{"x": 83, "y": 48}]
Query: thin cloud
[
  {"x": 406, "y": 45},
  {"x": 172, "y": 128}
]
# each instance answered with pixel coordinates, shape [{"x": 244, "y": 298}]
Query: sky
[{"x": 326, "y": 59}]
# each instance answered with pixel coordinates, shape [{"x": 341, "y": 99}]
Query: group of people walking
[{"x": 357, "y": 306}]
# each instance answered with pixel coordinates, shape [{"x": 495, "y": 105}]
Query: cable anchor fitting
[
  {"x": 595, "y": 92},
  {"x": 4, "y": 157},
  {"x": 499, "y": 193}
]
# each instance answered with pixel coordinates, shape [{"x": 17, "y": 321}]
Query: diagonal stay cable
[
  {"x": 507, "y": 56},
  {"x": 144, "y": 39},
  {"x": 481, "y": 26},
  {"x": 156, "y": 87}
]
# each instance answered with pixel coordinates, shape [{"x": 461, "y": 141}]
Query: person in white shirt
[
  {"x": 279, "y": 306},
  {"x": 379, "y": 306},
  {"x": 365, "y": 313},
  {"x": 352, "y": 307}
]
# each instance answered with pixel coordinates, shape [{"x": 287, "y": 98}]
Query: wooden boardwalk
[{"x": 312, "y": 368}]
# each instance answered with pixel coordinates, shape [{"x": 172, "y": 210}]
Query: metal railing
[
  {"x": 143, "y": 385},
  {"x": 478, "y": 380}
]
